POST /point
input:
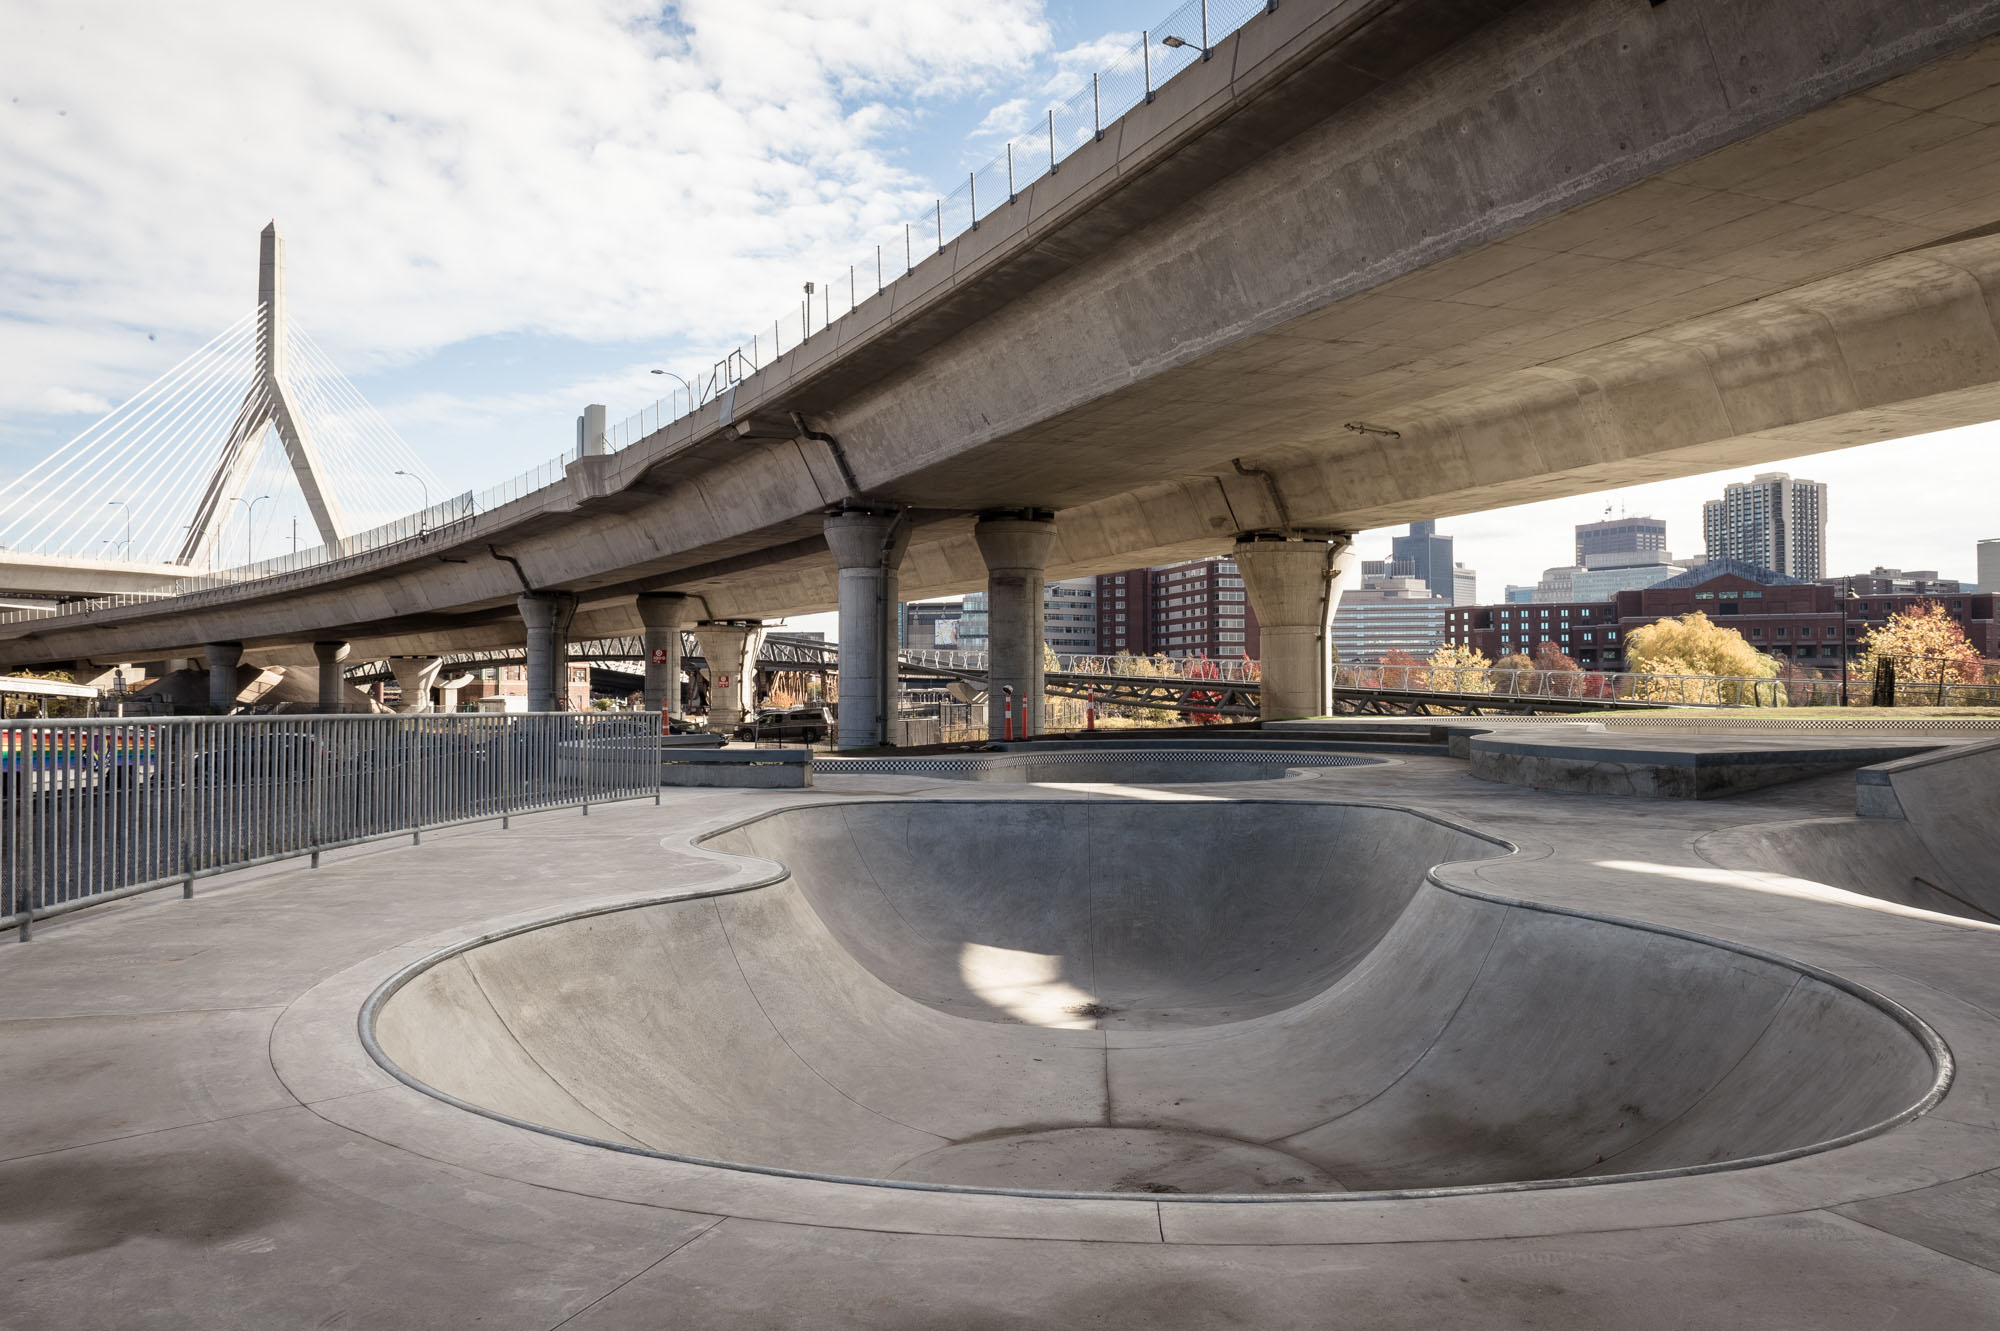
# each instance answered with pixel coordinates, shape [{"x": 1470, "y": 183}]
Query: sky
[{"x": 497, "y": 213}]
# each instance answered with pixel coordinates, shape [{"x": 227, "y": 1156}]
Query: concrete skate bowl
[
  {"x": 1159, "y": 998},
  {"x": 1928, "y": 845}
]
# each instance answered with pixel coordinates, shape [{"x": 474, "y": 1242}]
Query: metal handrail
[{"x": 94, "y": 810}]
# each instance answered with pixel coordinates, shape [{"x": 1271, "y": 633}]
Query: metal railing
[
  {"x": 93, "y": 810},
  {"x": 1919, "y": 682}
]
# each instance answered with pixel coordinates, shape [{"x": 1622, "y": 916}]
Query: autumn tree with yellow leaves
[
  {"x": 1694, "y": 645},
  {"x": 1456, "y": 668}
]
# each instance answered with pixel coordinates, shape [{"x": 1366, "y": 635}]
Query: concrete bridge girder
[{"x": 1571, "y": 305}]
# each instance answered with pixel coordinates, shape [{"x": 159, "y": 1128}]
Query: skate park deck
[{"x": 195, "y": 1134}]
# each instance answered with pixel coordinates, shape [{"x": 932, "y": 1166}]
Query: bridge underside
[{"x": 1570, "y": 252}]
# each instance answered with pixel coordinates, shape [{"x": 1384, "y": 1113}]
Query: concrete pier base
[
  {"x": 1294, "y": 585},
  {"x": 547, "y": 616},
  {"x": 663, "y": 615},
  {"x": 332, "y": 690},
  {"x": 868, "y": 547},
  {"x": 730, "y": 646},
  {"x": 1015, "y": 547},
  {"x": 415, "y": 675},
  {"x": 223, "y": 658}
]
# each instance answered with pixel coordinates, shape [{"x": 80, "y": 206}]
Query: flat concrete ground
[{"x": 191, "y": 1135}]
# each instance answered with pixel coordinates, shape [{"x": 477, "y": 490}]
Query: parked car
[{"x": 798, "y": 725}]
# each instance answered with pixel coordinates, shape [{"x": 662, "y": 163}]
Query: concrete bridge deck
[
  {"x": 193, "y": 1135},
  {"x": 1397, "y": 258}
]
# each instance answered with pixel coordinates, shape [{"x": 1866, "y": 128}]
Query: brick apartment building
[
  {"x": 1194, "y": 608},
  {"x": 1798, "y": 621},
  {"x": 512, "y": 682}
]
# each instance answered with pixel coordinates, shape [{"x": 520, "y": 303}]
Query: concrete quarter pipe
[{"x": 1179, "y": 998}]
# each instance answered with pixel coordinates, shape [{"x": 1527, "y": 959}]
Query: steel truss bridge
[{"x": 1194, "y": 684}]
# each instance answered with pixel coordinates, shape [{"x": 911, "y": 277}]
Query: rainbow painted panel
[{"x": 55, "y": 750}]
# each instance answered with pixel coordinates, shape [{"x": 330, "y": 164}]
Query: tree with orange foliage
[
  {"x": 1400, "y": 670},
  {"x": 1926, "y": 645},
  {"x": 1562, "y": 677}
]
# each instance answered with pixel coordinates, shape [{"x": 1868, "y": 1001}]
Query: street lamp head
[{"x": 1176, "y": 42}]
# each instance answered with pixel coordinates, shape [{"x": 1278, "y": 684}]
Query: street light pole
[
  {"x": 423, "y": 484},
  {"x": 127, "y": 547},
  {"x": 249, "y": 520},
  {"x": 684, "y": 384},
  {"x": 1846, "y": 602}
]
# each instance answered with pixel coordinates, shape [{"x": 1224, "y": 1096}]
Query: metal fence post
[
  {"x": 190, "y": 821},
  {"x": 21, "y": 865}
]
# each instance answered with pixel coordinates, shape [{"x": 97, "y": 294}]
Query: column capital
[
  {"x": 541, "y": 610},
  {"x": 867, "y": 538},
  {"x": 1015, "y": 539},
  {"x": 665, "y": 610}
]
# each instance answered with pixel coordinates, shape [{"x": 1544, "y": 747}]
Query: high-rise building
[
  {"x": 1771, "y": 521},
  {"x": 1615, "y": 555},
  {"x": 1557, "y": 585},
  {"x": 972, "y": 623},
  {"x": 1989, "y": 566},
  {"x": 1428, "y": 556},
  {"x": 1069, "y": 618},
  {"x": 1464, "y": 585},
  {"x": 1516, "y": 594},
  {"x": 1620, "y": 536},
  {"x": 1069, "y": 615},
  {"x": 1195, "y": 608},
  {"x": 1388, "y": 614}
]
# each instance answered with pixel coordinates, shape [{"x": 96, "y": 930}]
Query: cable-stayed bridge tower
[
  {"x": 267, "y": 405},
  {"x": 254, "y": 445}
]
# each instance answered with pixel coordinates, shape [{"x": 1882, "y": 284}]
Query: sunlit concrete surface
[{"x": 193, "y": 1134}]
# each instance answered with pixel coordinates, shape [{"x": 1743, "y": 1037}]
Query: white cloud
[{"x": 601, "y": 171}]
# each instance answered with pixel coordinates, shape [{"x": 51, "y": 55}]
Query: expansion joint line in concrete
[
  {"x": 1471, "y": 985},
  {"x": 645, "y": 1270},
  {"x": 1840, "y": 1214},
  {"x": 154, "y": 1132},
  {"x": 465, "y": 960},
  {"x": 804, "y": 1062},
  {"x": 1762, "y": 1033}
]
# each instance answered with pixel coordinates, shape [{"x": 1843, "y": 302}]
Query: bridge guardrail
[{"x": 93, "y": 810}]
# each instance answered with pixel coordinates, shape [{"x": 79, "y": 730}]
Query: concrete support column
[
  {"x": 868, "y": 549},
  {"x": 731, "y": 647},
  {"x": 1015, "y": 547},
  {"x": 547, "y": 615},
  {"x": 664, "y": 615},
  {"x": 223, "y": 658},
  {"x": 414, "y": 677},
  {"x": 332, "y": 689},
  {"x": 1295, "y": 585}
]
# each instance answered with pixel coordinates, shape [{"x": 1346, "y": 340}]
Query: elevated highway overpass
[{"x": 1376, "y": 260}]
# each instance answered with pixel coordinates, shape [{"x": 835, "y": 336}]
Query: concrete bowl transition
[{"x": 1147, "y": 998}]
